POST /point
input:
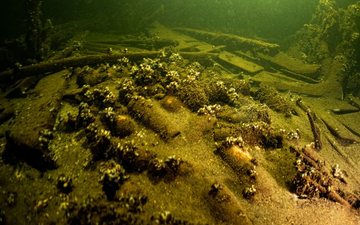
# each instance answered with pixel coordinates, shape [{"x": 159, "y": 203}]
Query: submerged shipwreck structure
[{"x": 181, "y": 125}]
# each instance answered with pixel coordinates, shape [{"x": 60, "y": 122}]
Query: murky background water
[{"x": 265, "y": 18}]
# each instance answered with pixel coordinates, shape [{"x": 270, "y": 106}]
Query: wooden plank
[
  {"x": 272, "y": 76},
  {"x": 240, "y": 62},
  {"x": 184, "y": 41},
  {"x": 282, "y": 60},
  {"x": 56, "y": 65},
  {"x": 231, "y": 40}
]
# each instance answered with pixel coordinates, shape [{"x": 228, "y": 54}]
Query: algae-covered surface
[{"x": 183, "y": 126}]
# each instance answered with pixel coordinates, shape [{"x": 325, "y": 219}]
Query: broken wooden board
[
  {"x": 24, "y": 142},
  {"x": 231, "y": 40},
  {"x": 351, "y": 121},
  {"x": 57, "y": 65},
  {"x": 285, "y": 75},
  {"x": 184, "y": 41},
  {"x": 240, "y": 62},
  {"x": 266, "y": 76},
  {"x": 329, "y": 86},
  {"x": 249, "y": 55},
  {"x": 283, "y": 61}
]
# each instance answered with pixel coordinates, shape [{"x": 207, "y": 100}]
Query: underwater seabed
[{"x": 180, "y": 127}]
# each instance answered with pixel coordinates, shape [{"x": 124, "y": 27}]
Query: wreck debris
[
  {"x": 166, "y": 217},
  {"x": 282, "y": 60},
  {"x": 240, "y": 62},
  {"x": 131, "y": 133},
  {"x": 338, "y": 149},
  {"x": 338, "y": 173},
  {"x": 314, "y": 127},
  {"x": 232, "y": 41},
  {"x": 341, "y": 140},
  {"x": 91, "y": 77},
  {"x": 54, "y": 66},
  {"x": 313, "y": 179},
  {"x": 353, "y": 101},
  {"x": 339, "y": 111},
  {"x": 57, "y": 65}
]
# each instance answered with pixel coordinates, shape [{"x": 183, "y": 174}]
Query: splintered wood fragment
[
  {"x": 313, "y": 160},
  {"x": 332, "y": 195},
  {"x": 240, "y": 62},
  {"x": 310, "y": 156},
  {"x": 337, "y": 198},
  {"x": 314, "y": 128},
  {"x": 301, "y": 105}
]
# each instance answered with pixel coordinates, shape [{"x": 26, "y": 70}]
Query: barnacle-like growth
[
  {"x": 168, "y": 169},
  {"x": 113, "y": 175},
  {"x": 274, "y": 100},
  {"x": 99, "y": 141},
  {"x": 192, "y": 94},
  {"x": 101, "y": 97},
  {"x": 85, "y": 115}
]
